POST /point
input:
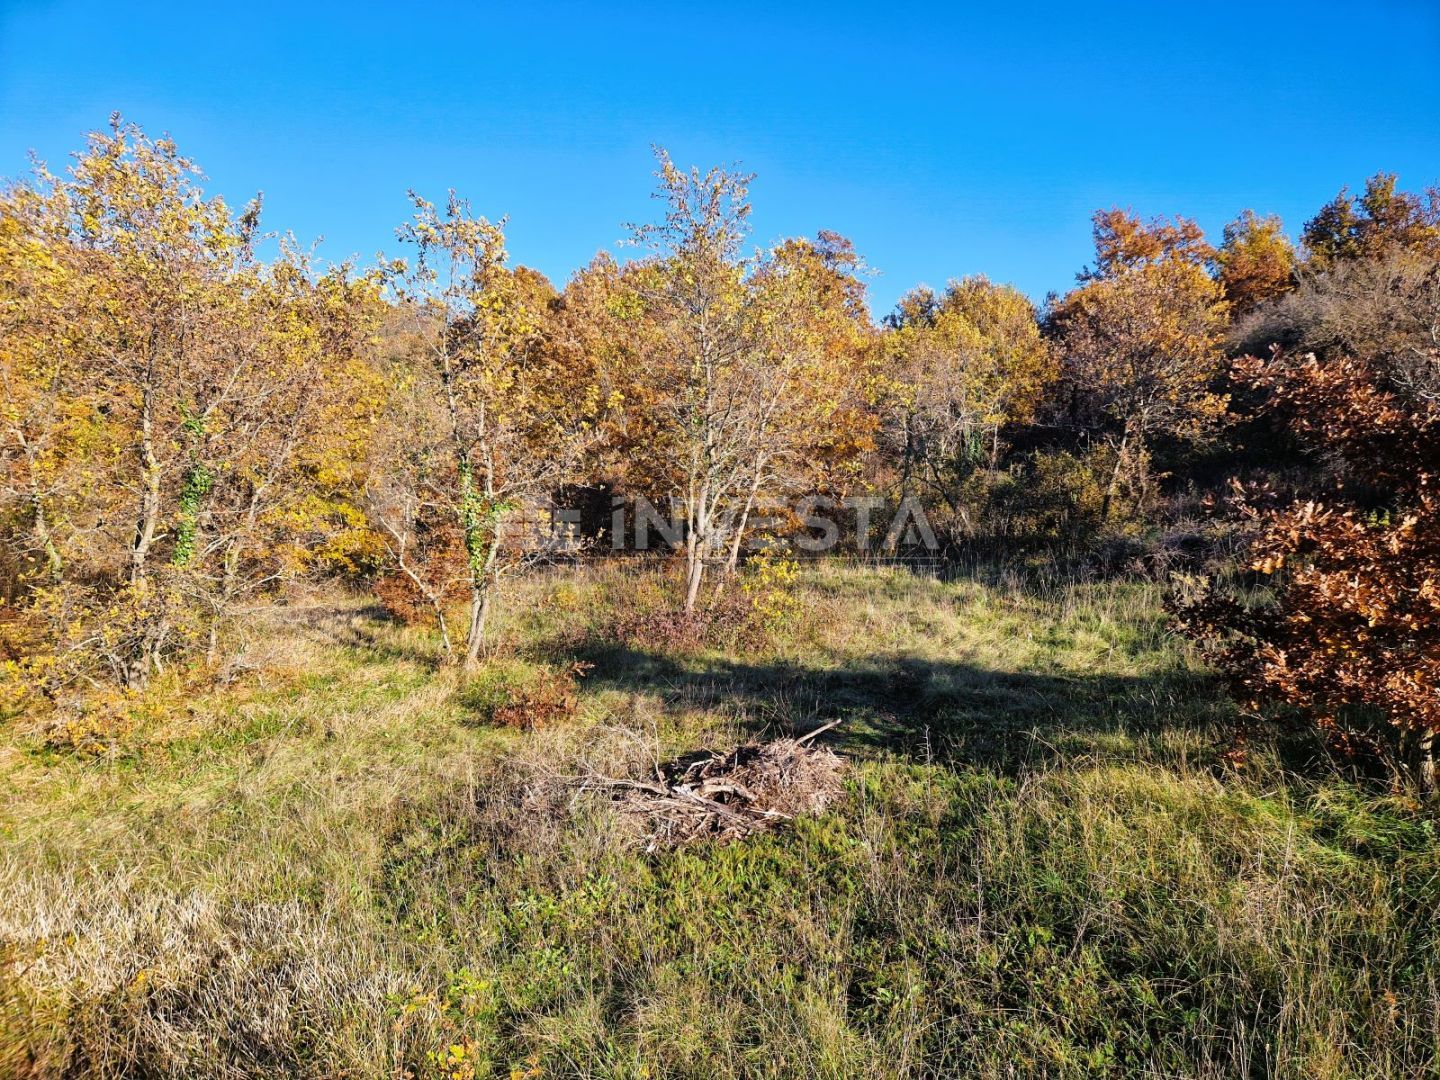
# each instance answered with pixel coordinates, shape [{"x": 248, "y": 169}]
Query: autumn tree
[
  {"x": 961, "y": 366},
  {"x": 1140, "y": 340},
  {"x": 599, "y": 333},
  {"x": 1378, "y": 221},
  {"x": 271, "y": 464},
  {"x": 816, "y": 375},
  {"x": 163, "y": 390},
  {"x": 41, "y": 291},
  {"x": 1369, "y": 285},
  {"x": 1348, "y": 631},
  {"x": 507, "y": 419},
  {"x": 1125, "y": 242},
  {"x": 1255, "y": 263},
  {"x": 743, "y": 365},
  {"x": 694, "y": 290}
]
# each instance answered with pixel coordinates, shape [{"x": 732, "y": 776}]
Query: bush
[
  {"x": 525, "y": 696},
  {"x": 1057, "y": 497},
  {"x": 1348, "y": 631}
]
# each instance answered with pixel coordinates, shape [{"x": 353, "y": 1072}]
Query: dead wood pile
[{"x": 727, "y": 796}]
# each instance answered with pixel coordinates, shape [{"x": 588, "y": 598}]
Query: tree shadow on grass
[
  {"x": 368, "y": 630},
  {"x": 946, "y": 711}
]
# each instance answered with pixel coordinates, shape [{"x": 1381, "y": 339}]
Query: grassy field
[{"x": 332, "y": 866}]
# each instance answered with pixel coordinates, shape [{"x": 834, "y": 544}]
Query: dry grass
[{"x": 333, "y": 866}]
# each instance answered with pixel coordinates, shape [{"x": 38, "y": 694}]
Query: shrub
[
  {"x": 769, "y": 586},
  {"x": 524, "y": 696},
  {"x": 1348, "y": 630},
  {"x": 1057, "y": 497}
]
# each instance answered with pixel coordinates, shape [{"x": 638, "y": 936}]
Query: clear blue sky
[{"x": 944, "y": 139}]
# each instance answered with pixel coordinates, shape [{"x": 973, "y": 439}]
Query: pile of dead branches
[{"x": 727, "y": 796}]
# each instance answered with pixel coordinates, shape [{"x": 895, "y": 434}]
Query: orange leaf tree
[
  {"x": 1350, "y": 631},
  {"x": 1140, "y": 340}
]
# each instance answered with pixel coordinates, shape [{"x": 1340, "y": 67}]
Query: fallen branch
[{"x": 727, "y": 796}]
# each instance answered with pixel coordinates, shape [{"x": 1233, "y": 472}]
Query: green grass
[{"x": 333, "y": 867}]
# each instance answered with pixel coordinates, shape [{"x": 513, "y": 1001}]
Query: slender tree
[
  {"x": 746, "y": 358},
  {"x": 509, "y": 418}
]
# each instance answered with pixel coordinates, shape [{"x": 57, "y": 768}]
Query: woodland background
[{"x": 1204, "y": 477}]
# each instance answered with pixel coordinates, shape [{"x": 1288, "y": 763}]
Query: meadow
[{"x": 333, "y": 862}]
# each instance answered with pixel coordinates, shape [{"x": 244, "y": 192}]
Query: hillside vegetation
[{"x": 420, "y": 669}]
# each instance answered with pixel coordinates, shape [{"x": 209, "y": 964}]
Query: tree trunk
[
  {"x": 698, "y": 529},
  {"x": 479, "y": 616},
  {"x": 694, "y": 573},
  {"x": 53, "y": 562},
  {"x": 1114, "y": 485},
  {"x": 149, "y": 489},
  {"x": 1426, "y": 770},
  {"x": 482, "y": 590},
  {"x": 145, "y": 657},
  {"x": 444, "y": 625},
  {"x": 734, "y": 558}
]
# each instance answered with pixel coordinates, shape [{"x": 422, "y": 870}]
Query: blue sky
[{"x": 944, "y": 139}]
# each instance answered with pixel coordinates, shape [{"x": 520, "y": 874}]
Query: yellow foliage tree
[
  {"x": 744, "y": 360},
  {"x": 1140, "y": 340},
  {"x": 1256, "y": 262},
  {"x": 962, "y": 365},
  {"x": 509, "y": 419},
  {"x": 164, "y": 390}
]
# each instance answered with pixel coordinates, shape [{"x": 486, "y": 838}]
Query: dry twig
[{"x": 726, "y": 796}]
